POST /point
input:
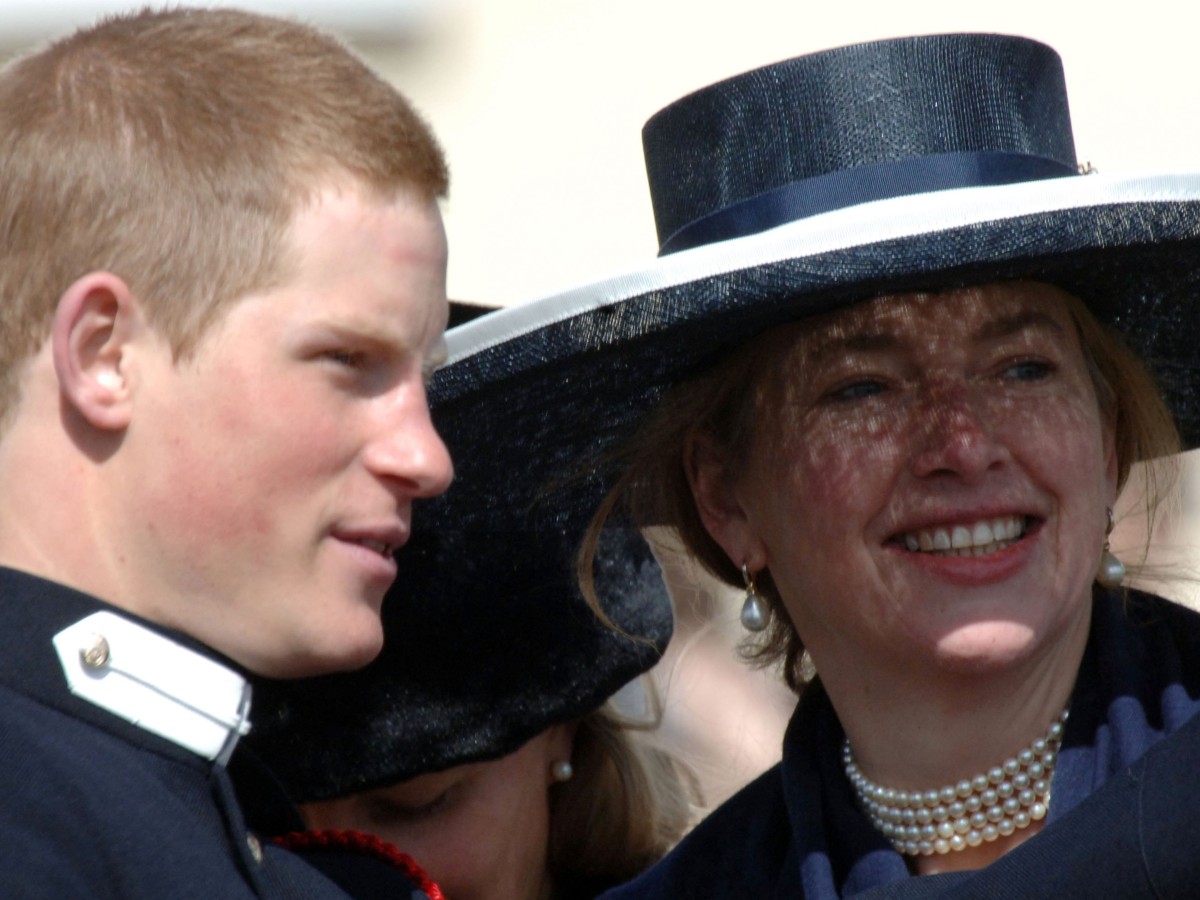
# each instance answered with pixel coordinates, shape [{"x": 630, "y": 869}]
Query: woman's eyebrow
[
  {"x": 857, "y": 342},
  {"x": 1025, "y": 320}
]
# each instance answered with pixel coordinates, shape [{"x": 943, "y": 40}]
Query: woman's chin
[{"x": 985, "y": 647}]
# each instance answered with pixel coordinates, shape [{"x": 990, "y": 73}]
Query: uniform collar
[{"x": 156, "y": 683}]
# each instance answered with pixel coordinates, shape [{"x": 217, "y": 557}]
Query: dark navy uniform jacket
[
  {"x": 1124, "y": 817},
  {"x": 95, "y": 806}
]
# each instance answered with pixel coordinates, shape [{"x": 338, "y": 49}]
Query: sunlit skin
[
  {"x": 480, "y": 830},
  {"x": 297, "y": 438},
  {"x": 906, "y": 414},
  {"x": 251, "y": 494}
]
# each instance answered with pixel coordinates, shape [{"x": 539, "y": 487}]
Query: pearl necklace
[{"x": 1008, "y": 798}]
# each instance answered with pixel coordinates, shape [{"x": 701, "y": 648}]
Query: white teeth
[
  {"x": 976, "y": 539},
  {"x": 378, "y": 546}
]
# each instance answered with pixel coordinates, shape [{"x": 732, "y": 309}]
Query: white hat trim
[{"x": 855, "y": 226}]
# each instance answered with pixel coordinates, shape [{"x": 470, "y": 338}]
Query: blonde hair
[
  {"x": 173, "y": 148},
  {"x": 628, "y": 803},
  {"x": 722, "y": 403}
]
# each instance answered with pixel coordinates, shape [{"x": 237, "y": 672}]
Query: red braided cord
[{"x": 368, "y": 845}]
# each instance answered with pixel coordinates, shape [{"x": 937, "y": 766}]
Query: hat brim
[
  {"x": 1127, "y": 245},
  {"x": 561, "y": 382},
  {"x": 485, "y": 648}
]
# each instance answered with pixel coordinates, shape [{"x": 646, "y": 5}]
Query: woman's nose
[{"x": 955, "y": 437}]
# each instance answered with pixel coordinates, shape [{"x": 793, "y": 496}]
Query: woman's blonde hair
[
  {"x": 722, "y": 403},
  {"x": 628, "y": 803}
]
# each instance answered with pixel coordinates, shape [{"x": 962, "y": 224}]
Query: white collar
[{"x": 155, "y": 683}]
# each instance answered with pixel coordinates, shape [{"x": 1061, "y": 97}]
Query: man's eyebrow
[{"x": 363, "y": 330}]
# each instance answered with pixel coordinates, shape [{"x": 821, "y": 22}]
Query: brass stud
[
  {"x": 95, "y": 654},
  {"x": 255, "y": 846}
]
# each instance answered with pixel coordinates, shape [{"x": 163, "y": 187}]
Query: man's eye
[{"x": 351, "y": 359}]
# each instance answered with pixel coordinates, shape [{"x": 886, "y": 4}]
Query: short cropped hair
[{"x": 173, "y": 148}]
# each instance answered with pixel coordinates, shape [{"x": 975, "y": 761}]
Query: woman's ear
[
  {"x": 96, "y": 319},
  {"x": 1112, "y": 464},
  {"x": 718, "y": 505},
  {"x": 561, "y": 739},
  {"x": 558, "y": 743}
]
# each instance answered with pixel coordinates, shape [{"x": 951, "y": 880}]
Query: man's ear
[
  {"x": 97, "y": 318},
  {"x": 718, "y": 505}
]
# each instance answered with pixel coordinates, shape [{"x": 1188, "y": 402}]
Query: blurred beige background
[{"x": 539, "y": 104}]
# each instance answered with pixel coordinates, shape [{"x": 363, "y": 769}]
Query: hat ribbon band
[{"x": 861, "y": 184}]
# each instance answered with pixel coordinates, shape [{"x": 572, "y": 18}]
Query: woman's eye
[
  {"x": 1028, "y": 370},
  {"x": 856, "y": 390},
  {"x": 384, "y": 811}
]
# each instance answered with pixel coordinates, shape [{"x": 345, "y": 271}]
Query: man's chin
[{"x": 340, "y": 649}]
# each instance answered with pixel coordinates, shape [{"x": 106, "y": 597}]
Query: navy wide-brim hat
[
  {"x": 921, "y": 163},
  {"x": 487, "y": 641}
]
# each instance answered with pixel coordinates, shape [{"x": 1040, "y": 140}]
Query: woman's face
[
  {"x": 479, "y": 830},
  {"x": 905, "y": 426}
]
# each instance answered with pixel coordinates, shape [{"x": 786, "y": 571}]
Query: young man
[{"x": 222, "y": 270}]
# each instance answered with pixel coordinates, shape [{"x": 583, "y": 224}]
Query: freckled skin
[
  {"x": 906, "y": 413},
  {"x": 913, "y": 410}
]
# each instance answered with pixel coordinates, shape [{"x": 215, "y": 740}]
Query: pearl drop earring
[
  {"x": 1111, "y": 571},
  {"x": 755, "y": 614}
]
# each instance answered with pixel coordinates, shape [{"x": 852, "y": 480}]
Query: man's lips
[
  {"x": 380, "y": 547},
  {"x": 384, "y": 542}
]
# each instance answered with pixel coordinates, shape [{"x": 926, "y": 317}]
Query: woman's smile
[
  {"x": 959, "y": 439},
  {"x": 981, "y": 538},
  {"x": 986, "y": 551}
]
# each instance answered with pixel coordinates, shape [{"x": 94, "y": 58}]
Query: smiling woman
[
  {"x": 891, "y": 414},
  {"x": 917, "y": 417},
  {"x": 876, "y": 380}
]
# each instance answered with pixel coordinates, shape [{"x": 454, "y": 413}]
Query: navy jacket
[
  {"x": 1123, "y": 821},
  {"x": 94, "y": 806}
]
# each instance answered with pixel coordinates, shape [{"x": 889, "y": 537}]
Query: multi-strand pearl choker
[{"x": 1007, "y": 798}]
